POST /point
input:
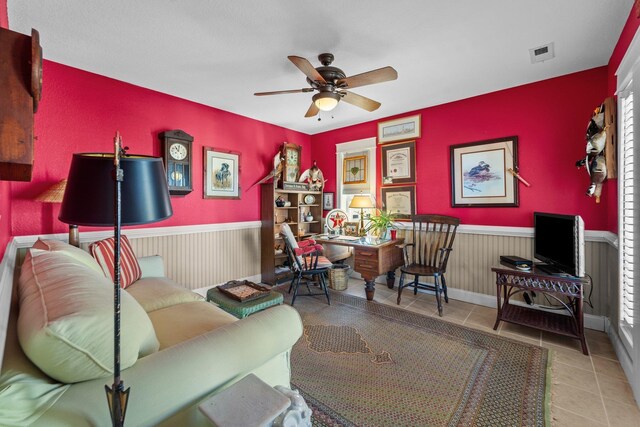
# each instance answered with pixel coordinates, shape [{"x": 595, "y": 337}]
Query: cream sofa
[{"x": 192, "y": 349}]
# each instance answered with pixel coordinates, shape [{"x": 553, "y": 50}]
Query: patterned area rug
[{"x": 370, "y": 364}]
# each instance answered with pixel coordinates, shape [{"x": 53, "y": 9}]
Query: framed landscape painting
[
  {"x": 480, "y": 173},
  {"x": 399, "y": 129},
  {"x": 221, "y": 174}
]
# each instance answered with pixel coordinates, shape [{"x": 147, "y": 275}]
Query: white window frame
[
  {"x": 368, "y": 145},
  {"x": 628, "y": 352}
]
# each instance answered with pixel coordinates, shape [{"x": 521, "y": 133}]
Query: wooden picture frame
[
  {"x": 354, "y": 170},
  {"x": 221, "y": 174},
  {"x": 351, "y": 228},
  {"x": 327, "y": 201},
  {"x": 400, "y": 201},
  {"x": 399, "y": 129},
  {"x": 398, "y": 163},
  {"x": 481, "y": 173}
]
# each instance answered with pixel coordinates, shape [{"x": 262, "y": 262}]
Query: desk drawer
[{"x": 366, "y": 259}]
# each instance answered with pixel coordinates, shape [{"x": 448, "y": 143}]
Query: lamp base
[
  {"x": 74, "y": 236},
  {"x": 361, "y": 231}
]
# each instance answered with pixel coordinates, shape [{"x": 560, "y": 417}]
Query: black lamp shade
[{"x": 88, "y": 198}]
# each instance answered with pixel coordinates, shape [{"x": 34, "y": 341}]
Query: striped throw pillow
[{"x": 103, "y": 252}]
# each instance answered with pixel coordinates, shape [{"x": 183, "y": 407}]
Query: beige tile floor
[{"x": 585, "y": 390}]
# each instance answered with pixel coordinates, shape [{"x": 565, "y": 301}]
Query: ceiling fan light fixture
[{"x": 326, "y": 101}]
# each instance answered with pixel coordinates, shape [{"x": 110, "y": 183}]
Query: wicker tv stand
[{"x": 567, "y": 290}]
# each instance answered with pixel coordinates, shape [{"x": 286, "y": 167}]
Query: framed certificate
[
  {"x": 400, "y": 201},
  {"x": 398, "y": 163}
]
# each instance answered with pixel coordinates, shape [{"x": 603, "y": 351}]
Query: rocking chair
[{"x": 433, "y": 237}]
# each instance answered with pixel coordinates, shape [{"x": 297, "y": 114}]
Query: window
[
  {"x": 350, "y": 150},
  {"x": 626, "y": 215}
]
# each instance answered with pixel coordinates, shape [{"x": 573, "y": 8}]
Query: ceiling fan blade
[
  {"x": 361, "y": 101},
  {"x": 305, "y": 66},
  {"x": 279, "y": 92},
  {"x": 380, "y": 75},
  {"x": 312, "y": 111}
]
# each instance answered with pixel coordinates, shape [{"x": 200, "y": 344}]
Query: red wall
[
  {"x": 80, "y": 112},
  {"x": 549, "y": 118}
]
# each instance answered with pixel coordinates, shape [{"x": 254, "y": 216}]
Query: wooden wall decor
[
  {"x": 20, "y": 86},
  {"x": 611, "y": 149},
  {"x": 601, "y": 150}
]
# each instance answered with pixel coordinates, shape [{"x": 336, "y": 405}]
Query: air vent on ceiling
[{"x": 541, "y": 53}]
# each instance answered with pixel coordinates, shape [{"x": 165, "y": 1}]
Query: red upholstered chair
[{"x": 307, "y": 265}]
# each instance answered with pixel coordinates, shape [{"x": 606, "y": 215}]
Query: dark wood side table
[
  {"x": 372, "y": 258},
  {"x": 566, "y": 290}
]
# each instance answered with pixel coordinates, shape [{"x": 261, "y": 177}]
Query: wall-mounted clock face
[
  {"x": 291, "y": 155},
  {"x": 176, "y": 150}
]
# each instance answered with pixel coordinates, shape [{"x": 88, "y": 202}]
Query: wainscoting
[{"x": 202, "y": 256}]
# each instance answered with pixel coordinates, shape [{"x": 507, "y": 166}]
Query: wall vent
[{"x": 541, "y": 53}]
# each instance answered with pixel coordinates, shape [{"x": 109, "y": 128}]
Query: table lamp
[
  {"x": 114, "y": 190},
  {"x": 55, "y": 194},
  {"x": 363, "y": 202}
]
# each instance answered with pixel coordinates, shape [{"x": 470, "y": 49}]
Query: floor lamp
[{"x": 115, "y": 190}]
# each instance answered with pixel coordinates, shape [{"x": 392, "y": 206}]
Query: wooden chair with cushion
[
  {"x": 307, "y": 264},
  {"x": 427, "y": 255}
]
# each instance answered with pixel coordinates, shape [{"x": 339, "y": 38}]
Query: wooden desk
[
  {"x": 566, "y": 290},
  {"x": 372, "y": 259}
]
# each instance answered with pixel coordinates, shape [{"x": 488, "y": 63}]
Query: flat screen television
[{"x": 558, "y": 240}]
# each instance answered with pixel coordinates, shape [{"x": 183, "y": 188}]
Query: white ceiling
[{"x": 219, "y": 53}]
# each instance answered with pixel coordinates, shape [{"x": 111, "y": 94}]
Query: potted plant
[{"x": 380, "y": 223}]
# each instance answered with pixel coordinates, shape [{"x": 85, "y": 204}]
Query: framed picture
[
  {"x": 399, "y": 163},
  {"x": 400, "y": 201},
  {"x": 399, "y": 129},
  {"x": 354, "y": 170},
  {"x": 480, "y": 173},
  {"x": 327, "y": 201},
  {"x": 351, "y": 228},
  {"x": 221, "y": 174}
]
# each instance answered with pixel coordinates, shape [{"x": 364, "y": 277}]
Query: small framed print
[
  {"x": 399, "y": 129},
  {"x": 351, "y": 229},
  {"x": 400, "y": 201},
  {"x": 327, "y": 201},
  {"x": 480, "y": 173},
  {"x": 399, "y": 163},
  {"x": 221, "y": 174}
]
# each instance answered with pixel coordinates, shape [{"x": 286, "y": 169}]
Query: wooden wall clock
[
  {"x": 291, "y": 154},
  {"x": 176, "y": 153},
  {"x": 20, "y": 92}
]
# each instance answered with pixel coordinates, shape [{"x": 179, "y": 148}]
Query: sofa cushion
[
  {"x": 69, "y": 250},
  {"x": 102, "y": 251},
  {"x": 154, "y": 293},
  {"x": 65, "y": 324},
  {"x": 181, "y": 322}
]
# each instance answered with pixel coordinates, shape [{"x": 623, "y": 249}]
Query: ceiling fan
[{"x": 332, "y": 84}]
